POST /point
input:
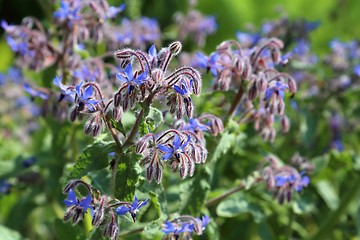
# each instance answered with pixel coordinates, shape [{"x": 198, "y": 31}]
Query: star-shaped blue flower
[
  {"x": 185, "y": 89},
  {"x": 278, "y": 89},
  {"x": 86, "y": 96},
  {"x": 175, "y": 149},
  {"x": 132, "y": 209},
  {"x": 84, "y": 204},
  {"x": 64, "y": 89},
  {"x": 128, "y": 76},
  {"x": 195, "y": 126}
]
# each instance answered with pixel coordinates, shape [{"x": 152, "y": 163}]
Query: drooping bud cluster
[
  {"x": 179, "y": 149},
  {"x": 101, "y": 207},
  {"x": 152, "y": 81},
  {"x": 184, "y": 227},
  {"x": 30, "y": 42},
  {"x": 261, "y": 87},
  {"x": 196, "y": 26},
  {"x": 284, "y": 180}
]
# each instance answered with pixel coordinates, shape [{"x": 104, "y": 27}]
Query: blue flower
[
  {"x": 175, "y": 149},
  {"x": 35, "y": 93},
  {"x": 132, "y": 209},
  {"x": 185, "y": 89},
  {"x": 86, "y": 96},
  {"x": 19, "y": 47},
  {"x": 195, "y": 126},
  {"x": 292, "y": 181},
  {"x": 65, "y": 91},
  {"x": 5, "y": 187},
  {"x": 278, "y": 89},
  {"x": 113, "y": 11},
  {"x": 67, "y": 13},
  {"x": 204, "y": 221},
  {"x": 84, "y": 204},
  {"x": 208, "y": 63},
  {"x": 128, "y": 76},
  {"x": 175, "y": 229},
  {"x": 302, "y": 47},
  {"x": 356, "y": 70},
  {"x": 29, "y": 162},
  {"x": 247, "y": 39}
]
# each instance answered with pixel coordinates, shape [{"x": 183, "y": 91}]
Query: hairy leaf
[{"x": 92, "y": 158}]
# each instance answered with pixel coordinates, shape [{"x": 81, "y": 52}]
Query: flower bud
[{"x": 175, "y": 47}]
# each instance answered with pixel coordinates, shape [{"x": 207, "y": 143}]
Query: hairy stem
[
  {"x": 236, "y": 101},
  {"x": 225, "y": 194}
]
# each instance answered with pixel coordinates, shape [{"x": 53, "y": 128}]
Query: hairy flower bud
[{"x": 175, "y": 47}]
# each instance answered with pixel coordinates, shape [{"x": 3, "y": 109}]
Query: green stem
[
  {"x": 236, "y": 101},
  {"x": 225, "y": 195},
  {"x": 333, "y": 217}
]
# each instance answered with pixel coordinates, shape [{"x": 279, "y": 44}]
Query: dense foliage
[{"x": 131, "y": 121}]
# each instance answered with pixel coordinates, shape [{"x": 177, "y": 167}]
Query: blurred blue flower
[
  {"x": 113, "y": 11},
  {"x": 247, "y": 39},
  {"x": 67, "y": 12},
  {"x": 128, "y": 76},
  {"x": 132, "y": 209},
  {"x": 356, "y": 70},
  {"x": 175, "y": 149},
  {"x": 84, "y": 204},
  {"x": 278, "y": 89},
  {"x": 195, "y": 126},
  {"x": 64, "y": 89},
  {"x": 208, "y": 63},
  {"x": 29, "y": 162},
  {"x": 5, "y": 187},
  {"x": 34, "y": 93}
]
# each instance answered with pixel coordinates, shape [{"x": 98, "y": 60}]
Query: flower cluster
[
  {"x": 284, "y": 180},
  {"x": 101, "y": 208},
  {"x": 196, "y": 26},
  {"x": 184, "y": 227},
  {"x": 252, "y": 72}
]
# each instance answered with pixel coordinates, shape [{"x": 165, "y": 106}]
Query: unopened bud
[{"x": 175, "y": 47}]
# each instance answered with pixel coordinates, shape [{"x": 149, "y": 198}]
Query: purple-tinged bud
[
  {"x": 272, "y": 135},
  {"x": 277, "y": 42},
  {"x": 117, "y": 99},
  {"x": 99, "y": 213},
  {"x": 157, "y": 75},
  {"x": 78, "y": 215},
  {"x": 123, "y": 53},
  {"x": 191, "y": 167},
  {"x": 247, "y": 69},
  {"x": 292, "y": 85},
  {"x": 280, "y": 105},
  {"x": 111, "y": 230},
  {"x": 68, "y": 214},
  {"x": 253, "y": 92},
  {"x": 189, "y": 107},
  {"x": 73, "y": 114},
  {"x": 143, "y": 143},
  {"x": 175, "y": 47},
  {"x": 265, "y": 134},
  {"x": 117, "y": 113},
  {"x": 159, "y": 172},
  {"x": 276, "y": 55},
  {"x": 285, "y": 124},
  {"x": 261, "y": 82},
  {"x": 239, "y": 66}
]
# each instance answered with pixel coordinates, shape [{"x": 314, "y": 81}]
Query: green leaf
[
  {"x": 9, "y": 234},
  {"x": 92, "y": 158},
  {"x": 152, "y": 230},
  {"x": 232, "y": 208},
  {"x": 118, "y": 126},
  {"x": 155, "y": 118},
  {"x": 127, "y": 176},
  {"x": 225, "y": 143},
  {"x": 328, "y": 193}
]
